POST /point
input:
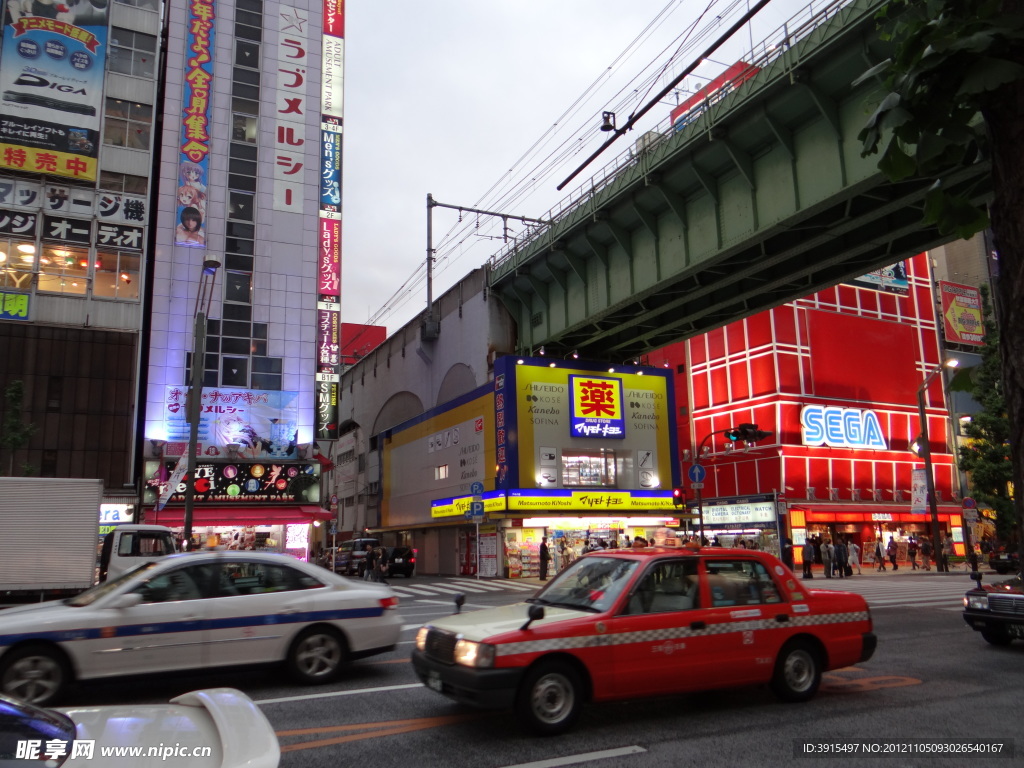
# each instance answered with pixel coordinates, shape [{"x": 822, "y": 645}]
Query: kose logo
[{"x": 841, "y": 428}]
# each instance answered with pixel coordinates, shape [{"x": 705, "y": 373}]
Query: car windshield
[
  {"x": 589, "y": 584},
  {"x": 90, "y": 596}
]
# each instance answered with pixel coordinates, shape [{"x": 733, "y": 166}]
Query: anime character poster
[
  {"x": 263, "y": 423},
  {"x": 51, "y": 86},
  {"x": 194, "y": 162}
]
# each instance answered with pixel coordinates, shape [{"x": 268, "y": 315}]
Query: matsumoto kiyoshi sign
[
  {"x": 596, "y": 404},
  {"x": 841, "y": 428}
]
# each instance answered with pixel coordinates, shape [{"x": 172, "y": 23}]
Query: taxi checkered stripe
[{"x": 674, "y": 633}]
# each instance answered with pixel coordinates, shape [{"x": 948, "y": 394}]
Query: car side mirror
[
  {"x": 976, "y": 575},
  {"x": 460, "y": 600},
  {"x": 536, "y": 613},
  {"x": 127, "y": 600}
]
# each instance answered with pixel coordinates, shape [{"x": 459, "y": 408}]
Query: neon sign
[
  {"x": 596, "y": 407},
  {"x": 841, "y": 428}
]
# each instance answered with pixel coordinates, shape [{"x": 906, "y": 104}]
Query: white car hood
[
  {"x": 224, "y": 719},
  {"x": 480, "y": 625}
]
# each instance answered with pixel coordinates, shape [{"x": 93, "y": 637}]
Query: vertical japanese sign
[
  {"x": 194, "y": 161},
  {"x": 291, "y": 107},
  {"x": 51, "y": 87},
  {"x": 961, "y": 313},
  {"x": 329, "y": 251}
]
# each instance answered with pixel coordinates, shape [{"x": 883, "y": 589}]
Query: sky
[{"x": 491, "y": 104}]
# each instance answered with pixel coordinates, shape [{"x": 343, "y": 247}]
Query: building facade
[
  {"x": 834, "y": 379},
  {"x": 247, "y": 233}
]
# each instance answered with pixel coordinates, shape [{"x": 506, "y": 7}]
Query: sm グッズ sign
[{"x": 841, "y": 428}]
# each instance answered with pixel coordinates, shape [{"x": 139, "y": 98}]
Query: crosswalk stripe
[{"x": 486, "y": 586}]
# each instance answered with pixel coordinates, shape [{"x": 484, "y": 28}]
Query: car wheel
[
  {"x": 996, "y": 636},
  {"x": 797, "y": 672},
  {"x": 36, "y": 674},
  {"x": 1002, "y": 571},
  {"x": 317, "y": 656},
  {"x": 550, "y": 698}
]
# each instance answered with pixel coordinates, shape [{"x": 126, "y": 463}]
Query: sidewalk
[{"x": 905, "y": 569}]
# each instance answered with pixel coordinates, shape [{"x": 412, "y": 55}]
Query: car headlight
[
  {"x": 471, "y": 654},
  {"x": 421, "y": 638},
  {"x": 979, "y": 602}
]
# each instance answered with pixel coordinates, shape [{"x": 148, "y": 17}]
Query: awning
[{"x": 240, "y": 515}]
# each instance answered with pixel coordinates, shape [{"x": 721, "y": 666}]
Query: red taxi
[{"x": 623, "y": 624}]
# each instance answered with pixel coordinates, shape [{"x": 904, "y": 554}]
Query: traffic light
[
  {"x": 747, "y": 432},
  {"x": 678, "y": 496}
]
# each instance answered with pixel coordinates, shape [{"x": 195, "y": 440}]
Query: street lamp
[
  {"x": 195, "y": 394},
  {"x": 924, "y": 448}
]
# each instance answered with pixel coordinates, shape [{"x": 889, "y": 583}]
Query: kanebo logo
[{"x": 841, "y": 428}]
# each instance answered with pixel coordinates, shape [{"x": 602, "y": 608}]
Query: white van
[{"x": 127, "y": 546}]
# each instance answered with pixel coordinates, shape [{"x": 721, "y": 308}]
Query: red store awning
[{"x": 240, "y": 515}]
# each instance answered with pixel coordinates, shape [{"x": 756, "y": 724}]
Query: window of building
[
  {"x": 240, "y": 206},
  {"x": 237, "y": 287},
  {"x": 441, "y": 472},
  {"x": 54, "y": 394},
  {"x": 238, "y": 263},
  {"x": 116, "y": 275},
  {"x": 245, "y": 128},
  {"x": 125, "y": 183},
  {"x": 234, "y": 372},
  {"x": 63, "y": 269},
  {"x": 127, "y": 124},
  {"x": 17, "y": 260},
  {"x": 148, "y": 5},
  {"x": 589, "y": 469},
  {"x": 247, "y": 54},
  {"x": 248, "y": 26},
  {"x": 132, "y": 53}
]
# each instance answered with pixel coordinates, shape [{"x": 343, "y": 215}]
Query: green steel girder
[{"x": 762, "y": 200}]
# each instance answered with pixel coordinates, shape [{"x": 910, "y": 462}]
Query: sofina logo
[{"x": 841, "y": 428}]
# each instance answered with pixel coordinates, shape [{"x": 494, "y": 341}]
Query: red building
[
  {"x": 834, "y": 377},
  {"x": 357, "y": 341}
]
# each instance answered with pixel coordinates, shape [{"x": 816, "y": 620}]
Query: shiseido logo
[{"x": 35, "y": 81}]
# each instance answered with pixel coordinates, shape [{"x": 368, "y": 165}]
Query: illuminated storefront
[{"x": 587, "y": 451}]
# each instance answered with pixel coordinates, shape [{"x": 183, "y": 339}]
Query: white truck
[{"x": 49, "y": 537}]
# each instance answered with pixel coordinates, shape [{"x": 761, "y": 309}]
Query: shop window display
[{"x": 589, "y": 469}]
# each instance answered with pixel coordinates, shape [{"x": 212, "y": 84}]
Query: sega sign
[{"x": 841, "y": 428}]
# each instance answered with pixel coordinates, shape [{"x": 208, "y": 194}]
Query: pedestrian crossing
[
  {"x": 464, "y": 586},
  {"x": 936, "y": 592}
]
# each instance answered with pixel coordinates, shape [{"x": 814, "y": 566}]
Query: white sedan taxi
[{"x": 197, "y": 610}]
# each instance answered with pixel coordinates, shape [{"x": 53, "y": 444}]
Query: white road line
[
  {"x": 449, "y": 603},
  {"x": 414, "y": 590},
  {"x": 407, "y": 627},
  {"x": 334, "y": 694},
  {"x": 585, "y": 757},
  {"x": 446, "y": 590}
]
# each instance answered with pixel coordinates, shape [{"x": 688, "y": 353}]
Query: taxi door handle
[
  {"x": 782, "y": 618},
  {"x": 697, "y": 625}
]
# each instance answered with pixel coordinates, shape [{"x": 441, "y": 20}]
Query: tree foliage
[
  {"x": 986, "y": 458},
  {"x": 951, "y": 96},
  {"x": 14, "y": 431}
]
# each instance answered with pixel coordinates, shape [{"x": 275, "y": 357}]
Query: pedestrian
[
  {"x": 787, "y": 553},
  {"x": 382, "y": 564},
  {"x": 639, "y": 542},
  {"x": 926, "y": 553},
  {"x": 891, "y": 551},
  {"x": 545, "y": 558},
  {"x": 842, "y": 558},
  {"x": 827, "y": 557},
  {"x": 808, "y": 558},
  {"x": 912, "y": 553},
  {"x": 947, "y": 553},
  {"x": 370, "y": 564},
  {"x": 880, "y": 554},
  {"x": 854, "y": 556}
]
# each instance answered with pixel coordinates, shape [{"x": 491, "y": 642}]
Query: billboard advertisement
[
  {"x": 194, "y": 160},
  {"x": 236, "y": 483},
  {"x": 567, "y": 427},
  {"x": 961, "y": 314},
  {"x": 51, "y": 87},
  {"x": 891, "y": 279},
  {"x": 263, "y": 424}
]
